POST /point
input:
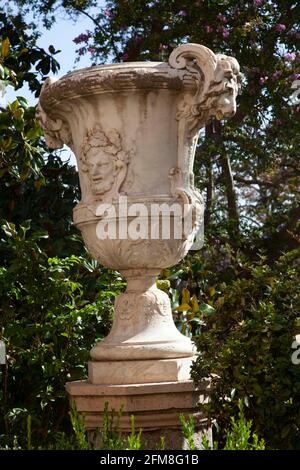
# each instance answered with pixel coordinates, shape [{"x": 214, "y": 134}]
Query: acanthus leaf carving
[{"x": 150, "y": 303}]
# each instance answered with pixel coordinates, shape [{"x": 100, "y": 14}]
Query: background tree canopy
[{"x": 242, "y": 288}]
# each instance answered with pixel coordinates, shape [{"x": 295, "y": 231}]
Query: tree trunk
[
  {"x": 209, "y": 184},
  {"x": 214, "y": 132}
]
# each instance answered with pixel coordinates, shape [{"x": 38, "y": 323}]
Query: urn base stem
[{"x": 143, "y": 327}]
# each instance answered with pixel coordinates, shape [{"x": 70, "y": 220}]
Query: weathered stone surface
[
  {"x": 156, "y": 408},
  {"x": 134, "y": 128},
  {"x": 143, "y": 371}
]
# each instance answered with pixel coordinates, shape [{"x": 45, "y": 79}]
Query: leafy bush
[
  {"x": 52, "y": 313},
  {"x": 245, "y": 345},
  {"x": 110, "y": 437},
  {"x": 238, "y": 437}
]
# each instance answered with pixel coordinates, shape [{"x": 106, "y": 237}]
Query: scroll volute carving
[
  {"x": 56, "y": 130},
  {"x": 217, "y": 83}
]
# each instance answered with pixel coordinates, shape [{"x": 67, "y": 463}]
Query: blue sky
[{"x": 61, "y": 36}]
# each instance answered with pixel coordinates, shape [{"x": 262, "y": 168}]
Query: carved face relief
[
  {"x": 105, "y": 161},
  {"x": 101, "y": 170},
  {"x": 227, "y": 76}
]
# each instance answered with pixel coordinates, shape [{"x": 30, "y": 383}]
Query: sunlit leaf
[
  {"x": 5, "y": 47},
  {"x": 207, "y": 309}
]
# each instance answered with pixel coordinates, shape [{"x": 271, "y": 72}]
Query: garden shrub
[
  {"x": 245, "y": 344},
  {"x": 52, "y": 312}
]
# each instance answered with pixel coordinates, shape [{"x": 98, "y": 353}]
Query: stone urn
[{"x": 133, "y": 128}]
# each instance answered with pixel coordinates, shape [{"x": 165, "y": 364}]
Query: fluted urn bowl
[{"x": 133, "y": 128}]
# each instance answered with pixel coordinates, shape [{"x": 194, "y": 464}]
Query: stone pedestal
[
  {"x": 156, "y": 408},
  {"x": 142, "y": 371}
]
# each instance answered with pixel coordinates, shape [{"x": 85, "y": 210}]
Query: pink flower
[
  {"x": 290, "y": 56},
  {"x": 222, "y": 18},
  {"x": 225, "y": 32},
  {"x": 279, "y": 27},
  {"x": 258, "y": 3},
  {"x": 108, "y": 13},
  {"x": 163, "y": 46},
  {"x": 276, "y": 76},
  {"x": 208, "y": 29},
  {"x": 182, "y": 13},
  {"x": 294, "y": 76},
  {"x": 82, "y": 51},
  {"x": 91, "y": 50},
  {"x": 83, "y": 37},
  {"x": 263, "y": 80}
]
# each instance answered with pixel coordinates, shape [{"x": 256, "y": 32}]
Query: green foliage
[
  {"x": 110, "y": 434},
  {"x": 77, "y": 422},
  {"x": 20, "y": 152},
  {"x": 248, "y": 316},
  {"x": 188, "y": 430},
  {"x": 245, "y": 346},
  {"x": 108, "y": 437},
  {"x": 21, "y": 60},
  {"x": 239, "y": 435},
  {"x": 50, "y": 323},
  {"x": 134, "y": 438}
]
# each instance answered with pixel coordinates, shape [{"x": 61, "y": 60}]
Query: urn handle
[{"x": 217, "y": 79}]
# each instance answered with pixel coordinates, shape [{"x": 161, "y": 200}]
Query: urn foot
[{"x": 143, "y": 327}]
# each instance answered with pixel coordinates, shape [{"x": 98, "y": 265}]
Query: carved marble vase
[{"x": 133, "y": 128}]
